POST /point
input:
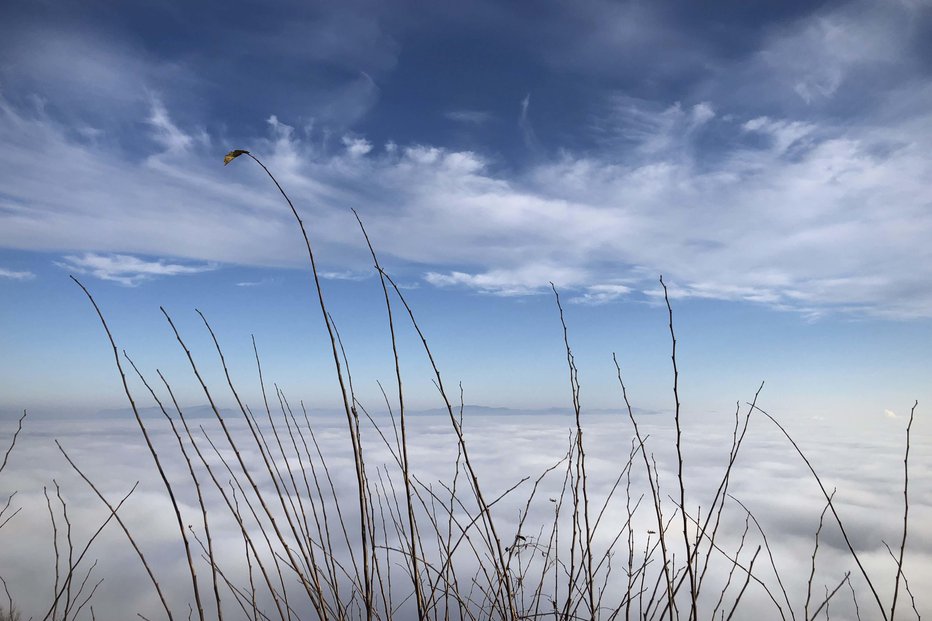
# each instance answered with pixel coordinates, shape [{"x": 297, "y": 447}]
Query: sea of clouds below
[{"x": 863, "y": 461}]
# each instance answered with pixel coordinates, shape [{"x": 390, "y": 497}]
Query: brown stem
[
  {"x": 152, "y": 451},
  {"x": 129, "y": 536},
  {"x": 899, "y": 561},
  {"x": 405, "y": 467},
  {"x": 831, "y": 507},
  {"x": 347, "y": 405},
  {"x": 679, "y": 458}
]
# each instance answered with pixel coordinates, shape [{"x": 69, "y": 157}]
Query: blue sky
[{"x": 772, "y": 162}]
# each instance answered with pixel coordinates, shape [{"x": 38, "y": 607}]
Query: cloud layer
[{"x": 769, "y": 480}]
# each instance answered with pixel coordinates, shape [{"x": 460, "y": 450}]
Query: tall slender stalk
[
  {"x": 347, "y": 404},
  {"x": 581, "y": 478},
  {"x": 899, "y": 560},
  {"x": 693, "y": 611},
  {"x": 152, "y": 451},
  {"x": 405, "y": 466}
]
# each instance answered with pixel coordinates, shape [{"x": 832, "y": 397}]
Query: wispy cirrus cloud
[
  {"x": 772, "y": 222},
  {"x": 167, "y": 133},
  {"x": 262, "y": 282},
  {"x": 128, "y": 270},
  {"x": 345, "y": 275},
  {"x": 525, "y": 125},
  {"x": 527, "y": 280},
  {"x": 602, "y": 294},
  {"x": 16, "y": 274},
  {"x": 731, "y": 195}
]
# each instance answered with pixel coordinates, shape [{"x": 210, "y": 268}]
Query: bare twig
[
  {"x": 831, "y": 507},
  {"x": 347, "y": 403},
  {"x": 19, "y": 428},
  {"x": 152, "y": 451},
  {"x": 129, "y": 536},
  {"x": 899, "y": 561}
]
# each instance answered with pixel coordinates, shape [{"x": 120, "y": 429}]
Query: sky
[{"x": 771, "y": 162}]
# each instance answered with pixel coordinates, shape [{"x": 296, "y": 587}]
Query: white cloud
[
  {"x": 257, "y": 283},
  {"x": 126, "y": 269},
  {"x": 166, "y": 132},
  {"x": 784, "y": 134},
  {"x": 524, "y": 281},
  {"x": 355, "y": 146},
  {"x": 525, "y": 125},
  {"x": 602, "y": 294},
  {"x": 345, "y": 275},
  {"x": 82, "y": 68},
  {"x": 642, "y": 129},
  {"x": 16, "y": 274},
  {"x": 840, "y": 58},
  {"x": 702, "y": 113},
  {"x": 890, "y": 414},
  {"x": 817, "y": 56},
  {"x": 773, "y": 225},
  {"x": 730, "y": 198}
]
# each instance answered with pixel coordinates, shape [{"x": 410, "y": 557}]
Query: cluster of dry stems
[{"x": 433, "y": 550}]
